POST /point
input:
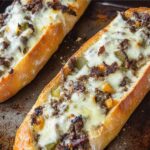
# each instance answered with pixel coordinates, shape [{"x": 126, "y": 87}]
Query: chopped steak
[
  {"x": 58, "y": 6},
  {"x": 5, "y": 62},
  {"x": 6, "y": 44},
  {"x": 83, "y": 78},
  {"x": 124, "y": 44},
  {"x": 76, "y": 138},
  {"x": 55, "y": 105},
  {"x": 111, "y": 68},
  {"x": 79, "y": 86},
  {"x": 101, "y": 50},
  {"x": 34, "y": 6},
  {"x": 96, "y": 72},
  {"x": 100, "y": 98},
  {"x": 37, "y": 112},
  {"x": 144, "y": 18},
  {"x": 125, "y": 81}
]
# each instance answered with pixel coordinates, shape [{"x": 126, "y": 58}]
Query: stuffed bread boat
[{"x": 85, "y": 106}]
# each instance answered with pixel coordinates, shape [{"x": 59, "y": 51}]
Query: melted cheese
[
  {"x": 83, "y": 103},
  {"x": 51, "y": 133},
  {"x": 88, "y": 108},
  {"x": 56, "y": 126},
  {"x": 40, "y": 21}
]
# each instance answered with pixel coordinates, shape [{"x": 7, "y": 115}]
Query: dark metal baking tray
[{"x": 136, "y": 133}]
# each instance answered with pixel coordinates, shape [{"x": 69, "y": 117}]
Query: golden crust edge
[
  {"x": 102, "y": 136},
  {"x": 27, "y": 69}
]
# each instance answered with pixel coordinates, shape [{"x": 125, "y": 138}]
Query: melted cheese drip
[{"x": 82, "y": 103}]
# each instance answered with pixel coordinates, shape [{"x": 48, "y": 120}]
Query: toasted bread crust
[
  {"x": 26, "y": 70},
  {"x": 116, "y": 118}
]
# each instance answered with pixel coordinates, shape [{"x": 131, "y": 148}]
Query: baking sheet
[{"x": 136, "y": 133}]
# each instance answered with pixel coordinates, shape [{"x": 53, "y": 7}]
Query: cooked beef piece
[
  {"x": 37, "y": 112},
  {"x": 24, "y": 40},
  {"x": 6, "y": 44},
  {"x": 55, "y": 105},
  {"x": 76, "y": 138},
  {"x": 100, "y": 98},
  {"x": 5, "y": 62},
  {"x": 111, "y": 68},
  {"x": 58, "y": 6},
  {"x": 96, "y": 72},
  {"x": 79, "y": 86},
  {"x": 124, "y": 44},
  {"x": 83, "y": 78},
  {"x": 125, "y": 81},
  {"x": 34, "y": 6},
  {"x": 144, "y": 18},
  {"x": 101, "y": 50}
]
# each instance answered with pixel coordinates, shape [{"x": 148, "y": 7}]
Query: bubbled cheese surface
[{"x": 82, "y": 103}]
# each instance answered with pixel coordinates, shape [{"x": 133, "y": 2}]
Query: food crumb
[
  {"x": 63, "y": 61},
  {"x": 124, "y": 129},
  {"x": 78, "y": 39}
]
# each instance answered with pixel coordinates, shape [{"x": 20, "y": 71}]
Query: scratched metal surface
[{"x": 136, "y": 133}]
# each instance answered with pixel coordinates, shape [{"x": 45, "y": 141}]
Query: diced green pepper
[
  {"x": 81, "y": 61},
  {"x": 120, "y": 56},
  {"x": 56, "y": 92},
  {"x": 22, "y": 27},
  {"x": 123, "y": 69},
  {"x": 1, "y": 72},
  {"x": 50, "y": 146}
]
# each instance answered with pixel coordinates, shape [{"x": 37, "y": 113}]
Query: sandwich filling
[
  {"x": 97, "y": 81},
  {"x": 23, "y": 24}
]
